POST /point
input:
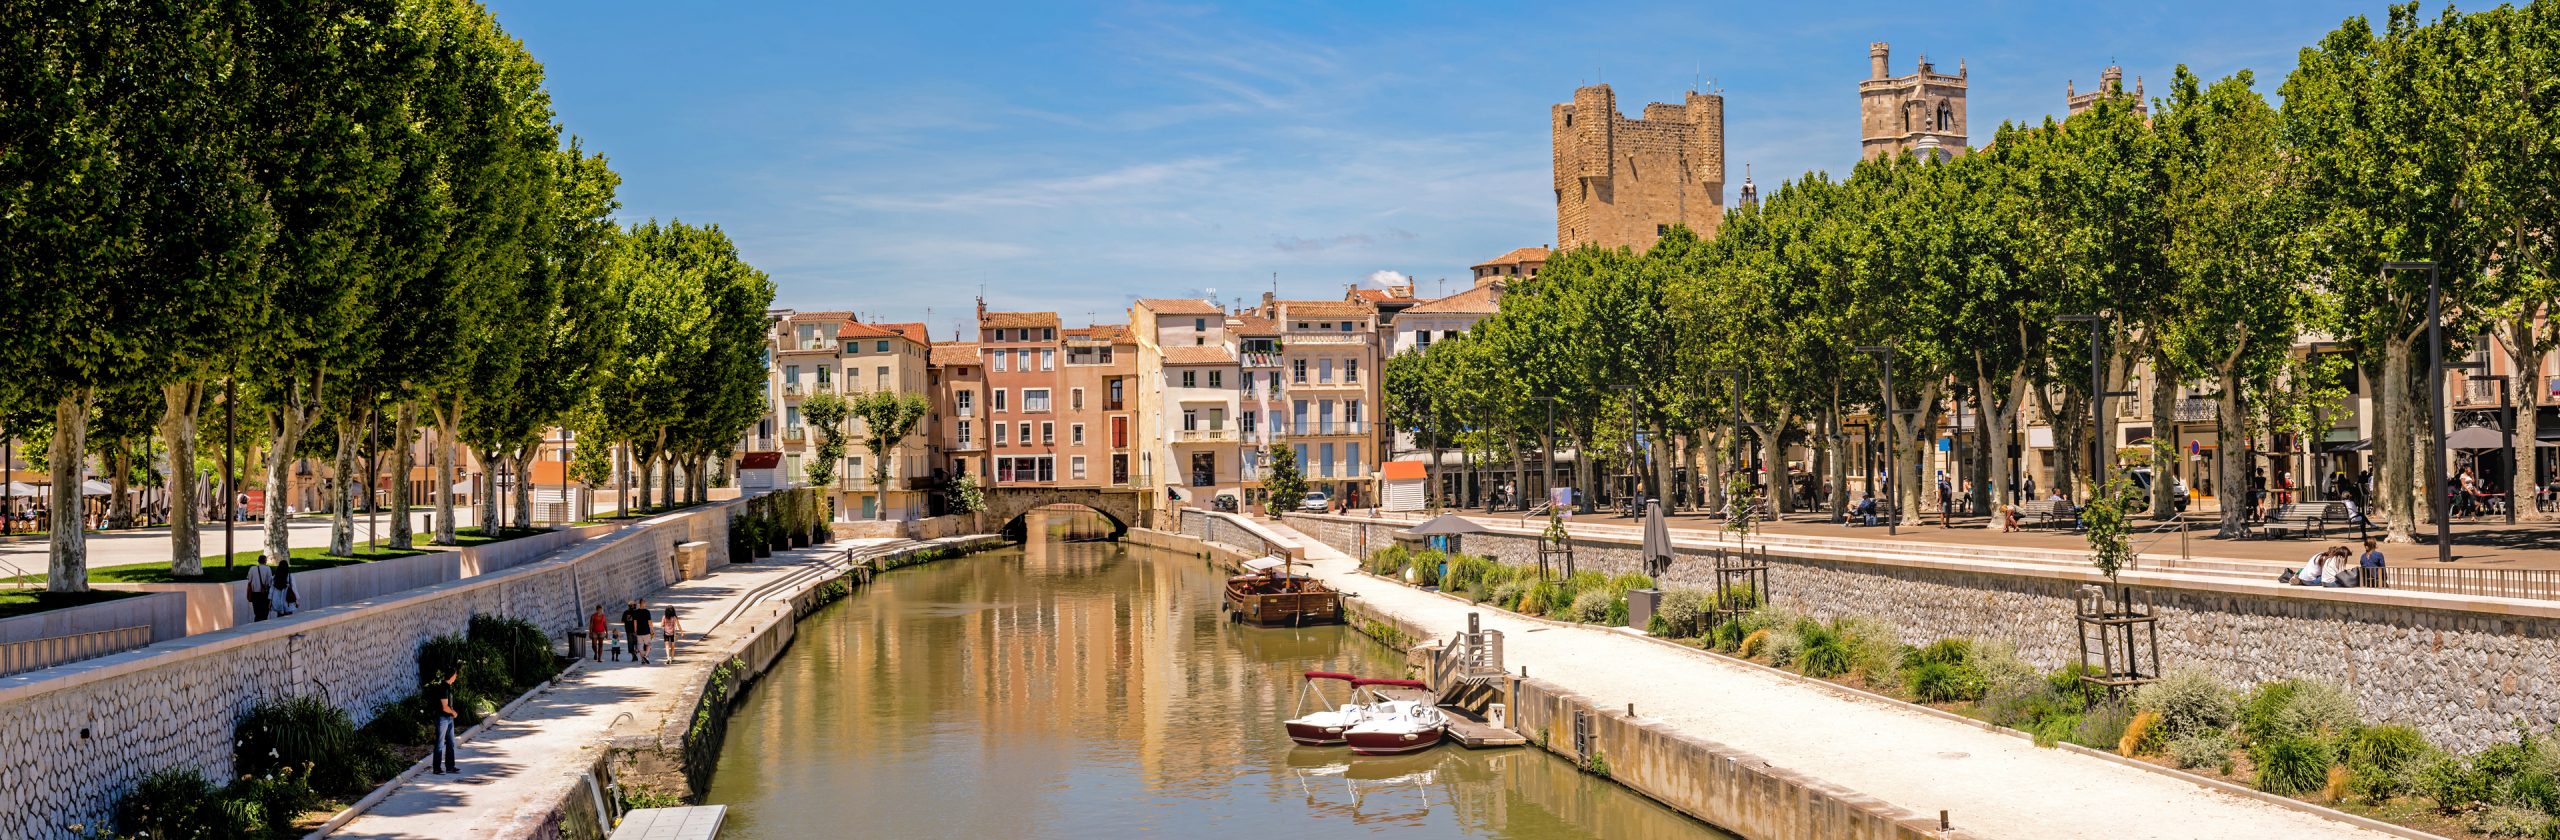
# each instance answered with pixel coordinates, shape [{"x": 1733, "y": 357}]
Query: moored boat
[
  {"x": 1324, "y": 727},
  {"x": 1395, "y": 727},
  {"x": 1269, "y": 594}
]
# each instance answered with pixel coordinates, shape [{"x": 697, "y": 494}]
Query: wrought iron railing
[{"x": 2541, "y": 584}]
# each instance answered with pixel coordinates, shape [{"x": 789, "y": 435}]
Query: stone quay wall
[
  {"x": 2464, "y": 670},
  {"x": 76, "y": 737}
]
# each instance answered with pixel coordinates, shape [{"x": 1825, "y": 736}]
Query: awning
[
  {"x": 1447, "y": 524},
  {"x": 94, "y": 487},
  {"x": 759, "y": 460},
  {"x": 2476, "y": 437},
  {"x": 17, "y": 489},
  {"x": 2360, "y": 445}
]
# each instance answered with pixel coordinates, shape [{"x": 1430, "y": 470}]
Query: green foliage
[
  {"x": 2068, "y": 682},
  {"x": 2210, "y": 750},
  {"x": 1941, "y": 682},
  {"x": 825, "y": 412},
  {"x": 1589, "y": 607},
  {"x": 2286, "y": 709},
  {"x": 302, "y": 734},
  {"x": 2102, "y": 726},
  {"x": 521, "y": 647},
  {"x": 276, "y": 800},
  {"x": 2381, "y": 761},
  {"x": 1825, "y": 653},
  {"x": 1543, "y": 596},
  {"x": 2292, "y": 764},
  {"x": 2507, "y": 821},
  {"x": 887, "y": 419},
  {"x": 965, "y": 496},
  {"x": 1467, "y": 571},
  {"x": 2452, "y": 781},
  {"x": 1509, "y": 595},
  {"x": 400, "y": 721},
  {"x": 2105, "y": 518},
  {"x": 180, "y": 803},
  {"x": 1284, "y": 486},
  {"x": 1683, "y": 613},
  {"x": 1875, "y": 648},
  {"x": 2190, "y": 702}
]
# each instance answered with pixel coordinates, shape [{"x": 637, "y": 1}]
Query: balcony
[
  {"x": 1333, "y": 385},
  {"x": 1261, "y": 360},
  {"x": 2479, "y": 391},
  {"x": 1328, "y": 338},
  {"x": 967, "y": 446},
  {"x": 1224, "y": 435},
  {"x": 1336, "y": 427},
  {"x": 822, "y": 387},
  {"x": 2198, "y": 410},
  {"x": 795, "y": 433}
]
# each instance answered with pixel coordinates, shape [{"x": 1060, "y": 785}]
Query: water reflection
[{"x": 1094, "y": 689}]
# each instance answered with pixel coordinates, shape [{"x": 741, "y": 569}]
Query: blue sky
[{"x": 895, "y": 158}]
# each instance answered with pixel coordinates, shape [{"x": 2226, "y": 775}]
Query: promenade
[
  {"x": 519, "y": 766},
  {"x": 137, "y": 546},
  {"x": 1993, "y": 785}
]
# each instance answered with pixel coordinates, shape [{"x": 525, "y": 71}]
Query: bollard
[
  {"x": 1942, "y": 819},
  {"x": 1631, "y": 710}
]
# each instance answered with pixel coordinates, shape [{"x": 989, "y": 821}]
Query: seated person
[{"x": 1867, "y": 508}]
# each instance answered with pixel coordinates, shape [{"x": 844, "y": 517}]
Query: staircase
[{"x": 1467, "y": 673}]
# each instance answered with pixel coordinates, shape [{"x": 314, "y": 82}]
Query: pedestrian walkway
[
  {"x": 516, "y": 769},
  {"x": 1993, "y": 785}
]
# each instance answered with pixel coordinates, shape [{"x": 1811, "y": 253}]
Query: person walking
[
  {"x": 284, "y": 601},
  {"x": 635, "y": 629},
  {"x": 1946, "y": 501},
  {"x": 262, "y": 583},
  {"x": 596, "y": 630},
  {"x": 669, "y": 628},
  {"x": 440, "y": 703}
]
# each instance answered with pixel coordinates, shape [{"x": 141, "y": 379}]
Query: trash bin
[
  {"x": 1640, "y": 606},
  {"x": 577, "y": 644}
]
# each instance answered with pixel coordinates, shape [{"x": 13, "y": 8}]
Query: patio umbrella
[
  {"x": 1657, "y": 540},
  {"x": 2475, "y": 437},
  {"x": 23, "y": 490},
  {"x": 94, "y": 487}
]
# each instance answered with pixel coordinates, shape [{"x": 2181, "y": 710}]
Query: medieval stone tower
[
  {"x": 1624, "y": 182},
  {"x": 2110, "y": 83},
  {"x": 1922, "y": 112}
]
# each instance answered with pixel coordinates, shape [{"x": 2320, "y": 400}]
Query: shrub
[
  {"x": 2293, "y": 764},
  {"x": 1586, "y": 579},
  {"x": 1617, "y": 616},
  {"x": 1825, "y": 653},
  {"x": 1683, "y": 612},
  {"x": 402, "y": 721},
  {"x": 1751, "y": 645},
  {"x": 2103, "y": 726},
  {"x": 2142, "y": 735},
  {"x": 1942, "y": 652},
  {"x": 1507, "y": 594},
  {"x": 1939, "y": 682},
  {"x": 2055, "y": 729},
  {"x": 1543, "y": 597},
  {"x": 1426, "y": 568},
  {"x": 279, "y": 800},
  {"x": 521, "y": 646},
  {"x": 2024, "y": 704},
  {"x": 179, "y": 804},
  {"x": 2189, "y": 702},
  {"x": 2208, "y": 749},
  {"x": 2067, "y": 682},
  {"x": 2455, "y": 784},
  {"x": 1466, "y": 571},
  {"x": 2296, "y": 709},
  {"x": 1998, "y": 664},
  {"x": 1589, "y": 607},
  {"x": 2504, "y": 821},
  {"x": 298, "y": 734},
  {"x": 1390, "y": 561},
  {"x": 1619, "y": 585},
  {"x": 2380, "y": 758},
  {"x": 1875, "y": 648},
  {"x": 1742, "y": 594},
  {"x": 1784, "y": 646}
]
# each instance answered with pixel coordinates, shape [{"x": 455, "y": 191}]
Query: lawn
[
  {"x": 17, "y": 602},
  {"x": 304, "y": 560},
  {"x": 603, "y": 518}
]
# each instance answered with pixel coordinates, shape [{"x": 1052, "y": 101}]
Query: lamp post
[
  {"x": 1733, "y": 427},
  {"x": 2098, "y": 395},
  {"x": 230, "y": 490},
  {"x": 2435, "y": 399},
  {"x": 1893, "y": 512},
  {"x": 1547, "y": 480},
  {"x": 1634, "y": 460}
]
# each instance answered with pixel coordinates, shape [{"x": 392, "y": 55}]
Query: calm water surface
[{"x": 1095, "y": 690}]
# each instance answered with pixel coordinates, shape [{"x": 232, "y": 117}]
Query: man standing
[
  {"x": 262, "y": 584},
  {"x": 635, "y": 629},
  {"x": 440, "y": 701}
]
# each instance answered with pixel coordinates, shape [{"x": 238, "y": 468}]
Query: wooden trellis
[{"x": 2119, "y": 638}]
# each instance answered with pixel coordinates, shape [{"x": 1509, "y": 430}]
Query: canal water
[{"x": 1081, "y": 689}]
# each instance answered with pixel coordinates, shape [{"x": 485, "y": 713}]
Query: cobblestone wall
[
  {"x": 75, "y": 738},
  {"x": 2466, "y": 678}
]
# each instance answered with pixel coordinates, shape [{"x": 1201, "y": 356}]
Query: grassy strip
[{"x": 18, "y": 602}]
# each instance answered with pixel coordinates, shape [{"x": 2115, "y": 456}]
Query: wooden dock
[
  {"x": 698, "y": 822},
  {"x": 1465, "y": 728}
]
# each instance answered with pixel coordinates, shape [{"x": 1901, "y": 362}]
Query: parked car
[
  {"x": 1316, "y": 502},
  {"x": 1223, "y": 503}
]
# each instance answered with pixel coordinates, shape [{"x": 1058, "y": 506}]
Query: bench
[
  {"x": 2048, "y": 512},
  {"x": 2310, "y": 517},
  {"x": 1759, "y": 509}
]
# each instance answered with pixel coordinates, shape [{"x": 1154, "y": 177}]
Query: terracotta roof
[
  {"x": 1402, "y": 471},
  {"x": 994, "y": 320},
  {"x": 1480, "y": 300},
  {"x": 1381, "y": 296},
  {"x": 910, "y": 331},
  {"x": 1182, "y": 306},
  {"x": 1252, "y": 325},
  {"x": 1325, "y": 309},
  {"x": 819, "y": 316},
  {"x": 1517, "y": 255},
  {"x": 956, "y": 353},
  {"x": 1198, "y": 356},
  {"x": 1114, "y": 333}
]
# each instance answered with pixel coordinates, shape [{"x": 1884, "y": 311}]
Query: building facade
[
  {"x": 1922, "y": 112},
  {"x": 1623, "y": 182},
  {"x": 1021, "y": 350},
  {"x": 895, "y": 359},
  {"x": 1329, "y": 358}
]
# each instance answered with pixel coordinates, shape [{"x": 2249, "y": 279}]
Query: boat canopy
[
  {"x": 1332, "y": 675},
  {"x": 1390, "y": 683},
  {"x": 1265, "y": 564}
]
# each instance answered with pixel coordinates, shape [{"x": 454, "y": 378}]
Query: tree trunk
[
  {"x": 1835, "y": 462},
  {"x": 2164, "y": 414},
  {"x": 1911, "y": 452},
  {"x": 401, "y": 429},
  {"x": 342, "y": 470},
  {"x": 448, "y": 424},
  {"x": 1584, "y": 472},
  {"x": 180, "y": 403},
  {"x": 290, "y": 422},
  {"x": 2231, "y": 434},
  {"x": 120, "y": 485},
  {"x": 2524, "y": 383},
  {"x": 1773, "y": 452},
  {"x": 68, "y": 570},
  {"x": 1712, "y": 486},
  {"x": 2398, "y": 447},
  {"x": 642, "y": 471},
  {"x": 524, "y": 486}
]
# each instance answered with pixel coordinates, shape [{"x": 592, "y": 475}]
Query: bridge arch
[{"x": 1007, "y": 505}]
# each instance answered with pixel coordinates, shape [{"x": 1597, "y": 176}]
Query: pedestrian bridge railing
[{"x": 21, "y": 657}]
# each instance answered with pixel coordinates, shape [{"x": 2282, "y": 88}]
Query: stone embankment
[{"x": 1770, "y": 755}]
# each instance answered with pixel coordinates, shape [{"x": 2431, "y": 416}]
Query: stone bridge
[{"x": 1126, "y": 508}]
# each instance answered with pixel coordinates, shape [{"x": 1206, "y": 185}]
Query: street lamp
[
  {"x": 1547, "y": 481},
  {"x": 2098, "y": 395},
  {"x": 2435, "y": 399},
  {"x": 1635, "y": 460},
  {"x": 1884, "y": 356}
]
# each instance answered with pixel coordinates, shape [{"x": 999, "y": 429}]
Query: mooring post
[{"x": 1942, "y": 819}]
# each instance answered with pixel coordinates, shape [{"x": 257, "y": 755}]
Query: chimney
[
  {"x": 1877, "y": 63},
  {"x": 1270, "y": 305}
]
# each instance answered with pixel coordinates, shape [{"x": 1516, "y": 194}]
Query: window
[
  {"x": 1075, "y": 433},
  {"x": 791, "y": 374},
  {"x": 880, "y": 347},
  {"x": 880, "y": 378},
  {"x": 1048, "y": 359},
  {"x": 1000, "y": 438},
  {"x": 1351, "y": 370},
  {"x": 1075, "y": 399},
  {"x": 1024, "y": 437},
  {"x": 967, "y": 402},
  {"x": 1324, "y": 370},
  {"x": 1049, "y": 334},
  {"x": 999, "y": 361},
  {"x": 824, "y": 373},
  {"x": 964, "y": 434},
  {"x": 791, "y": 417},
  {"x": 1351, "y": 459},
  {"x": 1298, "y": 371},
  {"x": 1200, "y": 323},
  {"x": 1190, "y": 379},
  {"x": 1022, "y": 359},
  {"x": 790, "y": 467},
  {"x": 1048, "y": 433},
  {"x": 1217, "y": 418},
  {"x": 1048, "y": 468},
  {"x": 1119, "y": 433},
  {"x": 1244, "y": 422},
  {"x": 1119, "y": 469},
  {"x": 852, "y": 470},
  {"x": 1324, "y": 417},
  {"x": 1190, "y": 420},
  {"x": 1113, "y": 403},
  {"x": 1217, "y": 379},
  {"x": 1298, "y": 422},
  {"x": 1199, "y": 341},
  {"x": 1351, "y": 411},
  {"x": 1035, "y": 400},
  {"x": 1303, "y": 464},
  {"x": 999, "y": 403},
  {"x": 1275, "y": 382},
  {"x": 1324, "y": 460},
  {"x": 1075, "y": 468}
]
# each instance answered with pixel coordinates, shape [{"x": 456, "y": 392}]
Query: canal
[{"x": 1080, "y": 689}]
